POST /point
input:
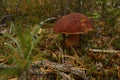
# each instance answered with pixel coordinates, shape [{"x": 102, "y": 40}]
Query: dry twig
[
  {"x": 104, "y": 51},
  {"x": 60, "y": 67}
]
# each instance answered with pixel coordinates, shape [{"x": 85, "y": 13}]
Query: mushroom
[{"x": 72, "y": 25}]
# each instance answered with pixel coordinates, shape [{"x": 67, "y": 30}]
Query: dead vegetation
[{"x": 30, "y": 50}]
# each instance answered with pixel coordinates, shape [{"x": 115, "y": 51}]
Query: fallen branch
[
  {"x": 104, "y": 51},
  {"x": 60, "y": 67},
  {"x": 37, "y": 68},
  {"x": 8, "y": 17}
]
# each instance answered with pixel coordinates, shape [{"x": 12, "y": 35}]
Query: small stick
[
  {"x": 60, "y": 67},
  {"x": 104, "y": 51}
]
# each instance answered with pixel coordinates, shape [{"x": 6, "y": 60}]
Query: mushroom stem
[{"x": 71, "y": 40}]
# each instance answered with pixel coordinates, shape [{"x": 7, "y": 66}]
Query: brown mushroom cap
[{"x": 74, "y": 23}]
